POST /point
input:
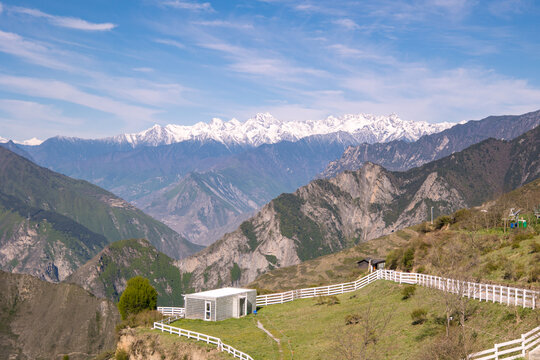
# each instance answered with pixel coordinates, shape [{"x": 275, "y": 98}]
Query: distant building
[
  {"x": 220, "y": 304},
  {"x": 372, "y": 264}
]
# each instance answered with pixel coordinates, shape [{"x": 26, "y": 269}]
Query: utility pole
[{"x": 432, "y": 215}]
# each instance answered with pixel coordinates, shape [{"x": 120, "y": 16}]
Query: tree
[{"x": 138, "y": 296}]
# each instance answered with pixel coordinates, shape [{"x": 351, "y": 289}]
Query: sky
[{"x": 100, "y": 68}]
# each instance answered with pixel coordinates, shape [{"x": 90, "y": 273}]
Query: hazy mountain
[
  {"x": 401, "y": 155},
  {"x": 51, "y": 224},
  {"x": 326, "y": 216}
]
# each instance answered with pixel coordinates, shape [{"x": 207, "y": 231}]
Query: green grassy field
[{"x": 310, "y": 330}]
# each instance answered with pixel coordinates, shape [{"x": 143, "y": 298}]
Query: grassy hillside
[
  {"x": 107, "y": 273},
  {"x": 312, "y": 329}
]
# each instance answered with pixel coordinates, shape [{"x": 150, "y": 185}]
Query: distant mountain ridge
[
  {"x": 401, "y": 155},
  {"x": 225, "y": 183},
  {"x": 51, "y": 224},
  {"x": 326, "y": 216},
  {"x": 266, "y": 129}
]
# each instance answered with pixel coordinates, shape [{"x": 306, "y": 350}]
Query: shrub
[
  {"x": 328, "y": 300},
  {"x": 408, "y": 259},
  {"x": 138, "y": 296},
  {"x": 535, "y": 247},
  {"x": 442, "y": 221},
  {"x": 392, "y": 259},
  {"x": 236, "y": 272},
  {"x": 418, "y": 316},
  {"x": 65, "y": 357},
  {"x": 121, "y": 354},
  {"x": 352, "y": 319},
  {"x": 408, "y": 291}
]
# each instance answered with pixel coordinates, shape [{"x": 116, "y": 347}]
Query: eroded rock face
[
  {"x": 148, "y": 345},
  {"x": 326, "y": 216}
]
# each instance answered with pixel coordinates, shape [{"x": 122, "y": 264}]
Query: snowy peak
[
  {"x": 263, "y": 128},
  {"x": 32, "y": 142}
]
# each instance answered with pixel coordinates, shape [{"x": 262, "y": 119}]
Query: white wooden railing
[
  {"x": 513, "y": 349},
  {"x": 171, "y": 310},
  {"x": 283, "y": 297},
  {"x": 487, "y": 292},
  {"x": 163, "y": 326}
]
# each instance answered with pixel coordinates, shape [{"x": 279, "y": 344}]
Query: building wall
[
  {"x": 252, "y": 301},
  {"x": 225, "y": 307},
  {"x": 195, "y": 308}
]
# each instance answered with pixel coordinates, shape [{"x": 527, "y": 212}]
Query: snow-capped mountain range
[{"x": 266, "y": 129}]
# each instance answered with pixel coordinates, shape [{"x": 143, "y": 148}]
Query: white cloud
[
  {"x": 225, "y": 24},
  {"x": 29, "y": 111},
  {"x": 63, "y": 21},
  {"x": 170, "y": 43},
  {"x": 188, "y": 5},
  {"x": 251, "y": 62},
  {"x": 143, "y": 69},
  {"x": 346, "y": 23},
  {"x": 31, "y": 51},
  {"x": 57, "y": 90}
]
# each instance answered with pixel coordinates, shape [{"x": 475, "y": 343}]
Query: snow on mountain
[
  {"x": 33, "y": 141},
  {"x": 265, "y": 129}
]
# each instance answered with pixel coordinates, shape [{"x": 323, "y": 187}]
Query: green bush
[
  {"x": 408, "y": 291},
  {"x": 352, "y": 319},
  {"x": 408, "y": 259},
  {"x": 138, "y": 296},
  {"x": 418, "y": 316},
  {"x": 441, "y": 221},
  {"x": 121, "y": 355},
  {"x": 65, "y": 357},
  {"x": 236, "y": 272}
]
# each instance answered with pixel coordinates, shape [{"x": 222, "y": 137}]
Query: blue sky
[{"x": 99, "y": 68}]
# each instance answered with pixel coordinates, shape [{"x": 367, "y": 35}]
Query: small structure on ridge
[
  {"x": 372, "y": 264},
  {"x": 220, "y": 304}
]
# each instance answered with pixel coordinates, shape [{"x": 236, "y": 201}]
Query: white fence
[
  {"x": 487, "y": 292},
  {"x": 280, "y": 298},
  {"x": 511, "y": 349},
  {"x": 170, "y": 310},
  {"x": 163, "y": 326}
]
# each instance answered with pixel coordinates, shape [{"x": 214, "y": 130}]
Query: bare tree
[{"x": 359, "y": 337}]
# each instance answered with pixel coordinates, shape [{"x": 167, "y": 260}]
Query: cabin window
[{"x": 207, "y": 310}]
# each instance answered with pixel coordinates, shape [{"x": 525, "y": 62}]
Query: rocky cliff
[{"x": 328, "y": 215}]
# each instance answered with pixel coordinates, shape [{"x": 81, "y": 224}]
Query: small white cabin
[{"x": 220, "y": 304}]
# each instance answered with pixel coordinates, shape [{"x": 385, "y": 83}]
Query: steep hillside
[
  {"x": 40, "y": 320},
  {"x": 476, "y": 238},
  {"x": 107, "y": 273},
  {"x": 204, "y": 205},
  {"x": 92, "y": 207},
  {"x": 401, "y": 155},
  {"x": 43, "y": 243},
  {"x": 329, "y": 215}
]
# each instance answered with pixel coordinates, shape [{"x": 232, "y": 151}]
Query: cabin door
[
  {"x": 208, "y": 310},
  {"x": 242, "y": 306}
]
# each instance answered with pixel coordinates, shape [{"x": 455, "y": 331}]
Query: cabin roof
[{"x": 216, "y": 293}]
